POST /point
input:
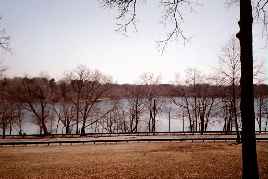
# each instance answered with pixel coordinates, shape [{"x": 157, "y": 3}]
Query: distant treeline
[
  {"x": 11, "y": 86},
  {"x": 167, "y": 90},
  {"x": 74, "y": 102}
]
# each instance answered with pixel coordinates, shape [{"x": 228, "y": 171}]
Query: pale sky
[{"x": 55, "y": 36}]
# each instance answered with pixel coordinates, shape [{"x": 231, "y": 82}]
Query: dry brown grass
[{"x": 134, "y": 160}]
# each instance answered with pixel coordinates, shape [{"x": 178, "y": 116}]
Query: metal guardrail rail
[{"x": 128, "y": 134}]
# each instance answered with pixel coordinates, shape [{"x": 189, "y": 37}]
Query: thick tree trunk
[{"x": 249, "y": 155}]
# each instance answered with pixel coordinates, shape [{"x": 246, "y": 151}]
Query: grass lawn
[{"x": 132, "y": 160}]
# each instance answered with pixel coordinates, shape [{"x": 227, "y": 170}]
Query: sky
[{"x": 55, "y": 36}]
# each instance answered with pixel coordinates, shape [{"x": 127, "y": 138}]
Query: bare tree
[
  {"x": 206, "y": 105},
  {"x": 76, "y": 80},
  {"x": 88, "y": 88},
  {"x": 136, "y": 106},
  {"x": 113, "y": 120},
  {"x": 153, "y": 101},
  {"x": 10, "y": 111},
  {"x": 193, "y": 78},
  {"x": 197, "y": 102},
  {"x": 189, "y": 98},
  {"x": 118, "y": 119},
  {"x": 230, "y": 74},
  {"x": 35, "y": 94},
  {"x": 5, "y": 115},
  {"x": 261, "y": 102},
  {"x": 63, "y": 108}
]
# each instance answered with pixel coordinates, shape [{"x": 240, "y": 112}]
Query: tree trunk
[
  {"x": 10, "y": 127},
  {"x": 83, "y": 130},
  {"x": 132, "y": 117},
  {"x": 202, "y": 121},
  {"x": 229, "y": 124},
  {"x": 40, "y": 129},
  {"x": 44, "y": 127},
  {"x": 168, "y": 121},
  {"x": 235, "y": 111},
  {"x": 67, "y": 131},
  {"x": 150, "y": 119},
  {"x": 67, "y": 126},
  {"x": 249, "y": 155},
  {"x": 260, "y": 113},
  {"x": 20, "y": 126},
  {"x": 77, "y": 116},
  {"x": 195, "y": 114},
  {"x": 183, "y": 122},
  {"x": 154, "y": 116},
  {"x": 225, "y": 125},
  {"x": 136, "y": 116},
  {"x": 43, "y": 123},
  {"x": 4, "y": 129}
]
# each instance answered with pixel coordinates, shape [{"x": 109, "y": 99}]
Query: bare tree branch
[
  {"x": 127, "y": 13},
  {"x": 4, "y": 39},
  {"x": 173, "y": 13},
  {"x": 261, "y": 14}
]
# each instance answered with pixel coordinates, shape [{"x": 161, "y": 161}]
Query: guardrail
[
  {"x": 95, "y": 141},
  {"x": 128, "y": 134}
]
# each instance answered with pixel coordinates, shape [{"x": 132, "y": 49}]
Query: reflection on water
[{"x": 178, "y": 120}]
